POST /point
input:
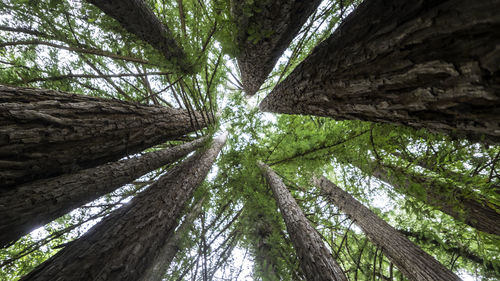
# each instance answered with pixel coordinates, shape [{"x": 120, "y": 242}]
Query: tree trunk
[
  {"x": 137, "y": 17},
  {"x": 125, "y": 244},
  {"x": 167, "y": 254},
  {"x": 278, "y": 23},
  {"x": 426, "y": 64},
  {"x": 451, "y": 201},
  {"x": 46, "y": 133},
  {"x": 34, "y": 204},
  {"x": 414, "y": 263},
  {"x": 315, "y": 259}
]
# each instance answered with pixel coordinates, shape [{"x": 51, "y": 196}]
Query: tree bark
[
  {"x": 426, "y": 64},
  {"x": 45, "y": 133},
  {"x": 125, "y": 244},
  {"x": 136, "y": 17},
  {"x": 280, "y": 21},
  {"x": 412, "y": 261},
  {"x": 315, "y": 259},
  {"x": 35, "y": 204},
  {"x": 451, "y": 201},
  {"x": 167, "y": 254}
]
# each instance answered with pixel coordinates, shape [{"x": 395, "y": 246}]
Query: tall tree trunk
[
  {"x": 278, "y": 23},
  {"x": 138, "y": 18},
  {"x": 315, "y": 259},
  {"x": 426, "y": 64},
  {"x": 167, "y": 254},
  {"x": 31, "y": 205},
  {"x": 46, "y": 133},
  {"x": 125, "y": 244},
  {"x": 464, "y": 207},
  {"x": 414, "y": 263}
]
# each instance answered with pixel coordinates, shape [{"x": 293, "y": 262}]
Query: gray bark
[
  {"x": 316, "y": 261},
  {"x": 282, "y": 19},
  {"x": 31, "y": 205},
  {"x": 45, "y": 133},
  {"x": 426, "y": 64},
  {"x": 138, "y": 18},
  {"x": 126, "y": 243},
  {"x": 468, "y": 208},
  {"x": 167, "y": 254},
  {"x": 412, "y": 261}
]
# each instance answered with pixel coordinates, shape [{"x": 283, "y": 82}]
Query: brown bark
[
  {"x": 468, "y": 208},
  {"x": 281, "y": 20},
  {"x": 426, "y": 64},
  {"x": 31, "y": 205},
  {"x": 315, "y": 259},
  {"x": 45, "y": 133},
  {"x": 167, "y": 254},
  {"x": 138, "y": 18},
  {"x": 412, "y": 261},
  {"x": 126, "y": 243}
]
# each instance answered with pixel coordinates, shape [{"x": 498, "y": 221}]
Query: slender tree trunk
[
  {"x": 412, "y": 261},
  {"x": 315, "y": 259},
  {"x": 34, "y": 204},
  {"x": 46, "y": 133},
  {"x": 138, "y": 18},
  {"x": 426, "y": 64},
  {"x": 160, "y": 266},
  {"x": 125, "y": 244},
  {"x": 278, "y": 22},
  {"x": 452, "y": 201}
]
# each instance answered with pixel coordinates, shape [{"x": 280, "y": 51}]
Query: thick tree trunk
[
  {"x": 125, "y": 244},
  {"x": 31, "y": 205},
  {"x": 159, "y": 267},
  {"x": 138, "y": 18},
  {"x": 315, "y": 259},
  {"x": 46, "y": 133},
  {"x": 453, "y": 202},
  {"x": 426, "y": 64},
  {"x": 281, "y": 21},
  {"x": 414, "y": 263}
]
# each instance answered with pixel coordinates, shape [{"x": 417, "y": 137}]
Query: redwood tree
[
  {"x": 315, "y": 259},
  {"x": 31, "y": 205},
  {"x": 412, "y": 261},
  {"x": 467, "y": 207},
  {"x": 125, "y": 244},
  {"x": 138, "y": 18},
  {"x": 265, "y": 33},
  {"x": 425, "y": 64},
  {"x": 45, "y": 133},
  {"x": 157, "y": 269}
]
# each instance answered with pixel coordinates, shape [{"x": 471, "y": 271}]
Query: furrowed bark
[
  {"x": 412, "y": 261},
  {"x": 315, "y": 259},
  {"x": 282, "y": 20},
  {"x": 125, "y": 244},
  {"x": 461, "y": 206},
  {"x": 138, "y": 18},
  {"x": 45, "y": 133},
  {"x": 32, "y": 205},
  {"x": 167, "y": 254},
  {"x": 426, "y": 64}
]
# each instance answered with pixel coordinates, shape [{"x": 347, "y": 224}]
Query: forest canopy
[{"x": 428, "y": 184}]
